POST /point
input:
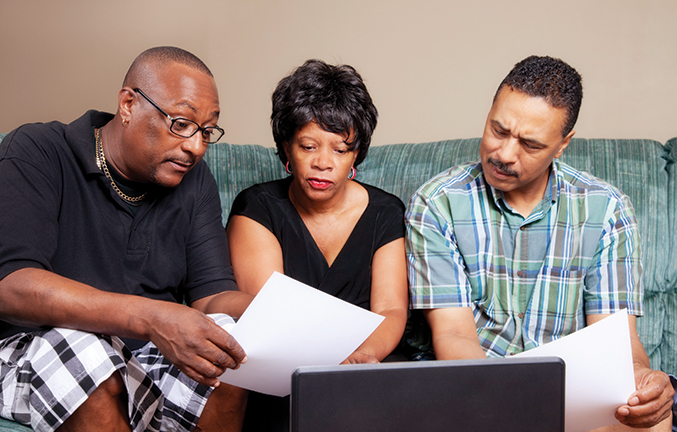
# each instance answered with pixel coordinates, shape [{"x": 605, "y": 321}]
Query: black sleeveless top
[{"x": 349, "y": 277}]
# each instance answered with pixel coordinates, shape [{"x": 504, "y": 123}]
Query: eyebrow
[
  {"x": 531, "y": 141},
  {"x": 192, "y": 108}
]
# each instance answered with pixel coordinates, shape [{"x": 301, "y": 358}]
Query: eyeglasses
[{"x": 187, "y": 128}]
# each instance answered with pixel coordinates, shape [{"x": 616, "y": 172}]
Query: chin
[
  {"x": 498, "y": 185},
  {"x": 167, "y": 181}
]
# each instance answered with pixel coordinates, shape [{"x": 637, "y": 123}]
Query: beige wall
[{"x": 431, "y": 66}]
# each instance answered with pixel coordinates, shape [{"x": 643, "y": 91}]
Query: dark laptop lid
[{"x": 515, "y": 394}]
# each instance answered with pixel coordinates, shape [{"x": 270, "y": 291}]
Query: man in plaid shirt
[{"x": 518, "y": 249}]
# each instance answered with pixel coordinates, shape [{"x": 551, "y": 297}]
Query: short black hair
[
  {"x": 163, "y": 55},
  {"x": 333, "y": 96},
  {"x": 553, "y": 80}
]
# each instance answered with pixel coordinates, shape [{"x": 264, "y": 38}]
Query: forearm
[
  {"x": 639, "y": 358},
  {"x": 233, "y": 303},
  {"x": 453, "y": 347},
  {"x": 35, "y": 297},
  {"x": 386, "y": 336},
  {"x": 454, "y": 334}
]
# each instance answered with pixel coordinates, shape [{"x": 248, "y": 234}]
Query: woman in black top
[{"x": 319, "y": 225}]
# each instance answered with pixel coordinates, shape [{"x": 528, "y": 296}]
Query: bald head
[{"x": 148, "y": 62}]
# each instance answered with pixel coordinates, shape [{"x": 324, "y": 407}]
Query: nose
[
  {"x": 509, "y": 150},
  {"x": 322, "y": 159},
  {"x": 194, "y": 145}
]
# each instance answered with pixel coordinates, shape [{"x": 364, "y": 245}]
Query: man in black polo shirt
[{"x": 108, "y": 225}]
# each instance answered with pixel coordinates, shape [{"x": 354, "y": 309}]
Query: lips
[
  {"x": 500, "y": 169},
  {"x": 181, "y": 166},
  {"x": 500, "y": 173},
  {"x": 317, "y": 183}
]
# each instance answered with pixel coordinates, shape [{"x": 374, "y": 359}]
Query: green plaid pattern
[{"x": 528, "y": 281}]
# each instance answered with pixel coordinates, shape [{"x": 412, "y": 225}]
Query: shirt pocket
[{"x": 557, "y": 302}]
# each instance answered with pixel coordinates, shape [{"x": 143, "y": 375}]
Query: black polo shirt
[{"x": 60, "y": 214}]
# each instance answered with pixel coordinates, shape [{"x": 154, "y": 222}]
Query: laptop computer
[{"x": 513, "y": 394}]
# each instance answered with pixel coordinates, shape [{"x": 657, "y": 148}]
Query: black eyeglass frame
[{"x": 175, "y": 119}]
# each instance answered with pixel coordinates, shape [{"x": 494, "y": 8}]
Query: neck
[
  {"x": 304, "y": 205},
  {"x": 523, "y": 201},
  {"x": 111, "y": 136}
]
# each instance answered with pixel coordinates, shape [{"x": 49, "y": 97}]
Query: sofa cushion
[
  {"x": 668, "y": 348},
  {"x": 9, "y": 426}
]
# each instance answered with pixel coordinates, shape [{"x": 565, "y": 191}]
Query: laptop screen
[{"x": 514, "y": 394}]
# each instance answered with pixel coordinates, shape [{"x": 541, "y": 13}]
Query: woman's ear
[{"x": 285, "y": 147}]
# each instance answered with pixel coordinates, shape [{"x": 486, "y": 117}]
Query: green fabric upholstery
[
  {"x": 236, "y": 167},
  {"x": 10, "y": 426},
  {"x": 668, "y": 347}
]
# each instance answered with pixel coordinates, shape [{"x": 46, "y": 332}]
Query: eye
[
  {"x": 207, "y": 134},
  {"x": 531, "y": 145},
  {"x": 182, "y": 125},
  {"x": 500, "y": 132}
]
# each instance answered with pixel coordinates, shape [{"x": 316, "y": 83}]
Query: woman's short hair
[{"x": 333, "y": 96}]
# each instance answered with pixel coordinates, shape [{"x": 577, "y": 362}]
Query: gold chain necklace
[{"x": 103, "y": 166}]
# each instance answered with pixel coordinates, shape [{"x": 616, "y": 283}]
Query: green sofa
[{"x": 643, "y": 169}]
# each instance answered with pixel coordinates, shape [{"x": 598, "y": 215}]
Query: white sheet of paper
[
  {"x": 599, "y": 371},
  {"x": 289, "y": 324}
]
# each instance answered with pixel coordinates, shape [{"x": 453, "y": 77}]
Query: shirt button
[
  {"x": 519, "y": 273},
  {"x": 521, "y": 315},
  {"x": 522, "y": 228}
]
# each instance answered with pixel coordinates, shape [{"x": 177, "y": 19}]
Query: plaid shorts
[{"x": 46, "y": 375}]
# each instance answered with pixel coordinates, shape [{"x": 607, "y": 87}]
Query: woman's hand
[{"x": 360, "y": 357}]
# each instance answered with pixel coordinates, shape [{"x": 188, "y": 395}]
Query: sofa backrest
[
  {"x": 667, "y": 308},
  {"x": 397, "y": 168}
]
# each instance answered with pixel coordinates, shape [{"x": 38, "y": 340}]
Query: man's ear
[
  {"x": 564, "y": 144},
  {"x": 125, "y": 101}
]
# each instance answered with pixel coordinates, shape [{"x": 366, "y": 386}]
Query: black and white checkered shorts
[{"x": 46, "y": 375}]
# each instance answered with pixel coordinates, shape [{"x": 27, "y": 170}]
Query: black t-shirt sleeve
[
  {"x": 208, "y": 257},
  {"x": 30, "y": 201}
]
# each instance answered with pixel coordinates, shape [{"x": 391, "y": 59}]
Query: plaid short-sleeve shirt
[{"x": 528, "y": 280}]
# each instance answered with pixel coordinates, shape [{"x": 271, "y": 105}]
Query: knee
[
  {"x": 104, "y": 409},
  {"x": 224, "y": 409},
  {"x": 113, "y": 387}
]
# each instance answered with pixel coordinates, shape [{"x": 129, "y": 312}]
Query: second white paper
[
  {"x": 289, "y": 324},
  {"x": 599, "y": 371}
]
